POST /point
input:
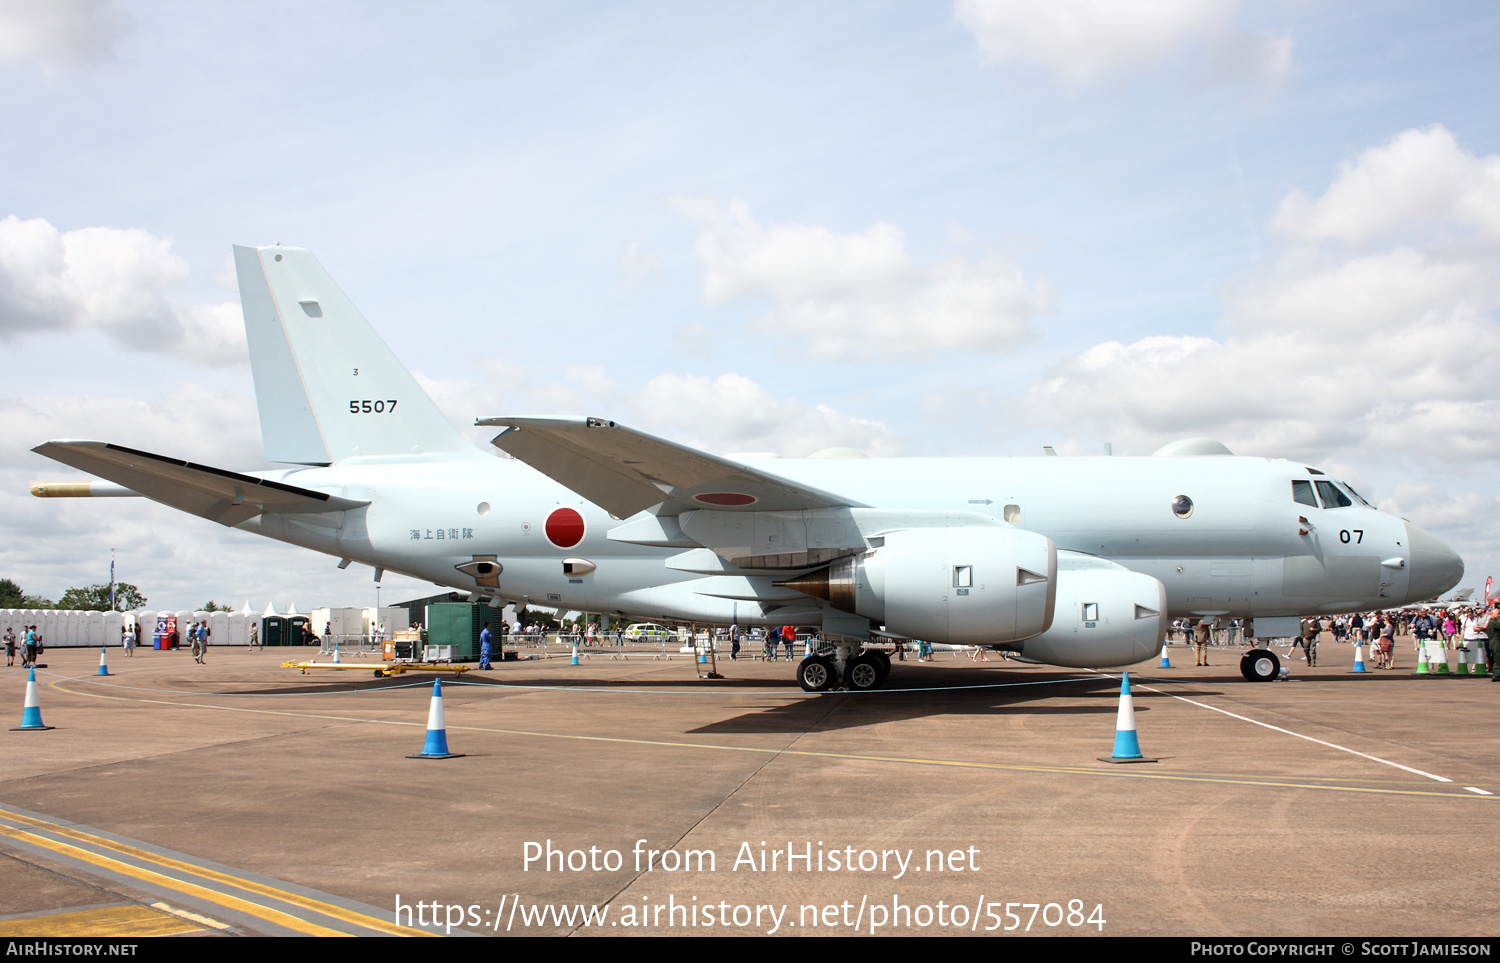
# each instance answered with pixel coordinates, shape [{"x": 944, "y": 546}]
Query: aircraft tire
[
  {"x": 380, "y": 673},
  {"x": 884, "y": 661},
  {"x": 1260, "y": 665},
  {"x": 863, "y": 673},
  {"x": 815, "y": 674}
]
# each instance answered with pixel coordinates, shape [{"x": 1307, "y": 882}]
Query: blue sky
[{"x": 908, "y": 228}]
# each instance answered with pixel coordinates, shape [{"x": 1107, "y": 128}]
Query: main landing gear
[
  {"x": 859, "y": 673},
  {"x": 1260, "y": 665}
]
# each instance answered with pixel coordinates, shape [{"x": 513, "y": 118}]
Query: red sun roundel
[
  {"x": 564, "y": 527},
  {"x": 726, "y": 498}
]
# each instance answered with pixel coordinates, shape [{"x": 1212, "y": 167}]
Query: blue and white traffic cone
[
  {"x": 31, "y": 715},
  {"x": 1127, "y": 746},
  {"x": 575, "y": 653},
  {"x": 1166, "y": 663},
  {"x": 437, "y": 731},
  {"x": 103, "y": 668},
  {"x": 335, "y": 653},
  {"x": 1359, "y": 656}
]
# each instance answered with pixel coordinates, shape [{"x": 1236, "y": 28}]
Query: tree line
[{"x": 93, "y": 598}]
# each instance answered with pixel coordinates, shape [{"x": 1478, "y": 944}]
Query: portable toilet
[
  {"x": 273, "y": 630},
  {"x": 165, "y": 636}
]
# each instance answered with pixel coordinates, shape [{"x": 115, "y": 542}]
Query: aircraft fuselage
[{"x": 1244, "y": 547}]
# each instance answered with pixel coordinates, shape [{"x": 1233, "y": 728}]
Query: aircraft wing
[
  {"x": 625, "y": 471},
  {"x": 222, "y": 496}
]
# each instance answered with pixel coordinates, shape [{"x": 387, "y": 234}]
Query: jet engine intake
[
  {"x": 1102, "y": 618},
  {"x": 962, "y": 586}
]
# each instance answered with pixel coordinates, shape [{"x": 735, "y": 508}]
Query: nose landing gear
[{"x": 1260, "y": 665}]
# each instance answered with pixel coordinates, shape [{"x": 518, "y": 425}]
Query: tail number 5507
[{"x": 367, "y": 406}]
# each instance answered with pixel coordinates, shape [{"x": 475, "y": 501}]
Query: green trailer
[{"x": 457, "y": 624}]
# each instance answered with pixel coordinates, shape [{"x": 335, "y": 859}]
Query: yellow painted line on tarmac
[
  {"x": 195, "y": 917},
  {"x": 181, "y": 886},
  {"x": 1112, "y": 773},
  {"x": 260, "y": 889},
  {"x": 128, "y": 920}
]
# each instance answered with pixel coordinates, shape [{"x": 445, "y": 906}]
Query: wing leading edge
[{"x": 625, "y": 471}]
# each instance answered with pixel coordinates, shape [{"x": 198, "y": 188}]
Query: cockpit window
[
  {"x": 1357, "y": 496},
  {"x": 1332, "y": 497},
  {"x": 1302, "y": 493}
]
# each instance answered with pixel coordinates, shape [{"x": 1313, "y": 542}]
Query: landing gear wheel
[
  {"x": 815, "y": 674},
  {"x": 884, "y": 663},
  {"x": 1260, "y": 665},
  {"x": 863, "y": 673}
]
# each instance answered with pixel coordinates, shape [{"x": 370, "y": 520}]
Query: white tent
[
  {"x": 270, "y": 612},
  {"x": 247, "y": 610}
]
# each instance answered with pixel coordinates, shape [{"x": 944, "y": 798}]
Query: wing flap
[
  {"x": 222, "y": 496},
  {"x": 626, "y": 471}
]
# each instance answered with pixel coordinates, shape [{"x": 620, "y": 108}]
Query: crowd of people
[
  {"x": 29, "y": 642},
  {"x": 1472, "y": 629}
]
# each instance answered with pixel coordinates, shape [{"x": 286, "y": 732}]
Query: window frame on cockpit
[
  {"x": 1348, "y": 488},
  {"x": 1301, "y": 486},
  {"x": 1331, "y": 495}
]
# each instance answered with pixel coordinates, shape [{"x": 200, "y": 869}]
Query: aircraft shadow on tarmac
[{"x": 894, "y": 703}]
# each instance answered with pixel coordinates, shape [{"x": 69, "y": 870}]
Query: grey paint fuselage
[{"x": 1246, "y": 548}]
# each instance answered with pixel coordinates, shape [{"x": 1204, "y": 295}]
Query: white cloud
[
  {"x": 192, "y": 422},
  {"x": 1083, "y": 40},
  {"x": 117, "y": 281},
  {"x": 860, "y": 295},
  {"x": 1334, "y": 346},
  {"x": 722, "y": 414},
  {"x": 58, "y": 33},
  {"x": 1422, "y": 181},
  {"x": 734, "y": 413}
]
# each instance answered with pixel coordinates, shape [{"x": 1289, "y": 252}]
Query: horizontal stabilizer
[
  {"x": 222, "y": 496},
  {"x": 626, "y": 471}
]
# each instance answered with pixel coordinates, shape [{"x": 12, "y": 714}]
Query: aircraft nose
[{"x": 1435, "y": 568}]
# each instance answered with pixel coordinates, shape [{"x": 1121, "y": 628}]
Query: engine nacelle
[
  {"x": 962, "y": 586},
  {"x": 1102, "y": 618}
]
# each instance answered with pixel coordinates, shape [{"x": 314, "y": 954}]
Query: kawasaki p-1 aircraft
[{"x": 1068, "y": 561}]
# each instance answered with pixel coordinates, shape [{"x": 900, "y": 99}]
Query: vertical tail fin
[{"x": 326, "y": 386}]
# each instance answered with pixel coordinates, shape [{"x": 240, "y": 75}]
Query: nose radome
[{"x": 1435, "y": 568}]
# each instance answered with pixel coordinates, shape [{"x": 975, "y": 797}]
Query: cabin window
[
  {"x": 1302, "y": 493},
  {"x": 1013, "y": 514},
  {"x": 1332, "y": 497},
  {"x": 1182, "y": 506}
]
